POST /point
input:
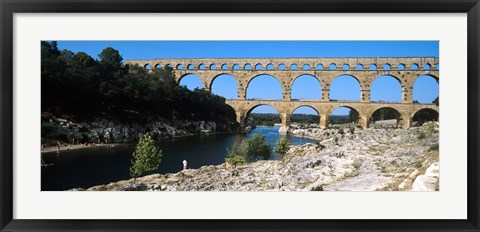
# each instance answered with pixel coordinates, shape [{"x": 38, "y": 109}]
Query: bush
[
  {"x": 282, "y": 146},
  {"x": 340, "y": 131},
  {"x": 352, "y": 130},
  {"x": 434, "y": 147},
  {"x": 251, "y": 149},
  {"x": 235, "y": 160},
  {"x": 421, "y": 135}
]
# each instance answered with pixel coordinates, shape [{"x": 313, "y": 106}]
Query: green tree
[
  {"x": 146, "y": 157},
  {"x": 282, "y": 146},
  {"x": 258, "y": 147},
  {"x": 235, "y": 160}
]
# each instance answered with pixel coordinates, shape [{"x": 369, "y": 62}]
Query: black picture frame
[{"x": 9, "y": 7}]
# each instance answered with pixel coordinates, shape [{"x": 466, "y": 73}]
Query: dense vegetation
[
  {"x": 249, "y": 150},
  {"x": 76, "y": 84},
  {"x": 271, "y": 119}
]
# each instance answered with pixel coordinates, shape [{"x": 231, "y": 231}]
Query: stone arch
[
  {"x": 401, "y": 86},
  {"x": 264, "y": 74},
  {"x": 332, "y": 66},
  {"x": 252, "y": 107},
  {"x": 334, "y": 90},
  {"x": 401, "y": 66},
  {"x": 223, "y": 73},
  {"x": 281, "y": 66},
  {"x": 213, "y": 66},
  {"x": 179, "y": 66},
  {"x": 247, "y": 66},
  {"x": 258, "y": 66},
  {"x": 319, "y": 67},
  {"x": 224, "y": 67},
  {"x": 147, "y": 66},
  {"x": 414, "y": 66},
  {"x": 425, "y": 89},
  {"x": 304, "y": 74},
  {"x": 355, "y": 114},
  {"x": 424, "y": 115},
  {"x": 293, "y": 66},
  {"x": 190, "y": 67},
  {"x": 346, "y": 67},
  {"x": 389, "y": 113},
  {"x": 201, "y": 66},
  {"x": 305, "y": 105},
  {"x": 387, "y": 66},
  {"x": 235, "y": 67},
  {"x": 427, "y": 66},
  {"x": 372, "y": 67},
  {"x": 358, "y": 67},
  {"x": 269, "y": 66},
  {"x": 201, "y": 85},
  {"x": 158, "y": 66},
  {"x": 306, "y": 67}
]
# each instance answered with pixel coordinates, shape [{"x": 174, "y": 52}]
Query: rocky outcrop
[
  {"x": 429, "y": 181},
  {"x": 359, "y": 160},
  {"x": 100, "y": 129}
]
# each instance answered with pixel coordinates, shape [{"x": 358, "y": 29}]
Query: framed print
[{"x": 260, "y": 115}]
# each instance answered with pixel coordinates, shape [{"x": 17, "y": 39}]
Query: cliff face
[
  {"x": 359, "y": 160},
  {"x": 115, "y": 131}
]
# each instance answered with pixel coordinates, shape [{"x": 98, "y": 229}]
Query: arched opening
[
  {"x": 262, "y": 115},
  {"x": 304, "y": 116},
  {"x": 343, "y": 117},
  {"x": 387, "y": 67},
  {"x": 425, "y": 89},
  {"x": 306, "y": 87},
  {"x": 213, "y": 66},
  {"x": 386, "y": 88},
  {"x": 168, "y": 65},
  {"x": 225, "y": 85},
  {"x": 224, "y": 66},
  {"x": 346, "y": 67},
  {"x": 258, "y": 67},
  {"x": 191, "y": 82},
  {"x": 385, "y": 117},
  {"x": 306, "y": 67},
  {"x": 147, "y": 67},
  {"x": 401, "y": 67},
  {"x": 201, "y": 66},
  {"x": 319, "y": 67},
  {"x": 281, "y": 67},
  {"x": 293, "y": 67},
  {"x": 270, "y": 67},
  {"x": 372, "y": 67},
  {"x": 345, "y": 87},
  {"x": 247, "y": 67},
  {"x": 414, "y": 67},
  {"x": 437, "y": 66},
  {"x": 424, "y": 115},
  {"x": 256, "y": 88},
  {"x": 190, "y": 67},
  {"x": 236, "y": 67},
  {"x": 158, "y": 66},
  {"x": 332, "y": 67},
  {"x": 427, "y": 66},
  {"x": 358, "y": 67},
  {"x": 179, "y": 66}
]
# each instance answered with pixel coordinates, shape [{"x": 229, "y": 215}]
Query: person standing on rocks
[{"x": 184, "y": 164}]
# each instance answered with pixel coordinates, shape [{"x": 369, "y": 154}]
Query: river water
[{"x": 100, "y": 165}]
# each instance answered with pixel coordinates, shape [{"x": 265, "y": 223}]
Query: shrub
[
  {"x": 352, "y": 130},
  {"x": 340, "y": 131},
  {"x": 434, "y": 147},
  {"x": 421, "y": 135},
  {"x": 251, "y": 149},
  {"x": 282, "y": 146},
  {"x": 235, "y": 160}
]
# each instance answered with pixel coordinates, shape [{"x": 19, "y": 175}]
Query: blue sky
[{"x": 305, "y": 87}]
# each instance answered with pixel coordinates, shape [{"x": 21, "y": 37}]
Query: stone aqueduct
[{"x": 325, "y": 70}]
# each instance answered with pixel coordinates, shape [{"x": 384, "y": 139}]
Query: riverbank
[{"x": 358, "y": 160}]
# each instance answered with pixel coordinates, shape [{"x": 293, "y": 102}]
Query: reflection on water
[{"x": 100, "y": 165}]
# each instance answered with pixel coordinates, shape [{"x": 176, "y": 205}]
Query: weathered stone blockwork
[{"x": 325, "y": 70}]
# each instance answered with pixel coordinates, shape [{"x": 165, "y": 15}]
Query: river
[{"x": 88, "y": 167}]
